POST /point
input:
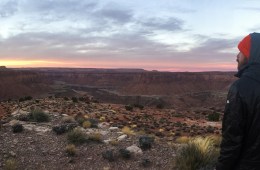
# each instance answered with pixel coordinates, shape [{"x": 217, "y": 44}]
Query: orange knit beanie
[{"x": 244, "y": 46}]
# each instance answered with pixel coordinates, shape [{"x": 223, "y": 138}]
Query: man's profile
[{"x": 240, "y": 147}]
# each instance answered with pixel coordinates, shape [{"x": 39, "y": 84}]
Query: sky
[{"x": 164, "y": 35}]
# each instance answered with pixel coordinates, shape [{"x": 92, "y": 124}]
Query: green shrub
[
  {"x": 17, "y": 128},
  {"x": 139, "y": 106},
  {"x": 129, "y": 107},
  {"x": 38, "y": 115},
  {"x": 80, "y": 120},
  {"x": 74, "y": 99},
  {"x": 198, "y": 153},
  {"x": 66, "y": 98},
  {"x": 76, "y": 136},
  {"x": 214, "y": 116},
  {"x": 160, "y": 106},
  {"x": 25, "y": 98}
]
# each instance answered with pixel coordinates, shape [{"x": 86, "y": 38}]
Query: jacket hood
[
  {"x": 252, "y": 69},
  {"x": 255, "y": 49}
]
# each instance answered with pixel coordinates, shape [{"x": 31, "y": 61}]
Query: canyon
[{"x": 122, "y": 86}]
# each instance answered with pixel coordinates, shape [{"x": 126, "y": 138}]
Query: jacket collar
[{"x": 241, "y": 71}]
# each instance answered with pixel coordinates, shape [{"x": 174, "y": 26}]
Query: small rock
[
  {"x": 103, "y": 125},
  {"x": 122, "y": 137},
  {"x": 13, "y": 122},
  {"x": 42, "y": 129},
  {"x": 12, "y": 153},
  {"x": 135, "y": 149},
  {"x": 107, "y": 141},
  {"x": 113, "y": 129},
  {"x": 29, "y": 127}
]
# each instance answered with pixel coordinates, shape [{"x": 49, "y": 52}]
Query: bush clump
[
  {"x": 96, "y": 137},
  {"x": 86, "y": 124},
  {"x": 139, "y": 106},
  {"x": 198, "y": 153},
  {"x": 145, "y": 142},
  {"x": 71, "y": 150},
  {"x": 60, "y": 129},
  {"x": 76, "y": 136},
  {"x": 128, "y": 131},
  {"x": 25, "y": 98},
  {"x": 182, "y": 140},
  {"x": 17, "y": 128},
  {"x": 10, "y": 164},
  {"x": 129, "y": 107},
  {"x": 214, "y": 117},
  {"x": 74, "y": 99},
  {"x": 160, "y": 106},
  {"x": 38, "y": 115}
]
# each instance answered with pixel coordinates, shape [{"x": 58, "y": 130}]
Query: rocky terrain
[
  {"x": 105, "y": 118},
  {"x": 117, "y": 136}
]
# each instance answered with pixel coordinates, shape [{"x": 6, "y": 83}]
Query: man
[{"x": 240, "y": 147}]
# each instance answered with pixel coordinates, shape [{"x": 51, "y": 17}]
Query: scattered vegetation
[
  {"x": 139, "y": 106},
  {"x": 80, "y": 120},
  {"x": 60, "y": 129},
  {"x": 22, "y": 99},
  {"x": 182, "y": 140},
  {"x": 38, "y": 115},
  {"x": 145, "y": 142},
  {"x": 129, "y": 107},
  {"x": 217, "y": 140},
  {"x": 10, "y": 164},
  {"x": 109, "y": 155},
  {"x": 74, "y": 99},
  {"x": 76, "y": 136},
  {"x": 71, "y": 150},
  {"x": 17, "y": 128},
  {"x": 96, "y": 137},
  {"x": 125, "y": 153},
  {"x": 198, "y": 153},
  {"x": 128, "y": 131},
  {"x": 160, "y": 106},
  {"x": 86, "y": 124},
  {"x": 66, "y": 98},
  {"x": 214, "y": 116}
]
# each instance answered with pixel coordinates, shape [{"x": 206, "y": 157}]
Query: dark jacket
[{"x": 240, "y": 147}]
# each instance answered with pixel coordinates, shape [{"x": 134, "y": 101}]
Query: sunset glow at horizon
[{"x": 169, "y": 35}]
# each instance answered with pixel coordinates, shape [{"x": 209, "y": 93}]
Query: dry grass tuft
[
  {"x": 10, "y": 164},
  {"x": 198, "y": 153},
  {"x": 71, "y": 150},
  {"x": 182, "y": 140},
  {"x": 128, "y": 131},
  {"x": 86, "y": 124}
]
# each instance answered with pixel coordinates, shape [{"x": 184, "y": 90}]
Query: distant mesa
[{"x": 3, "y": 68}]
